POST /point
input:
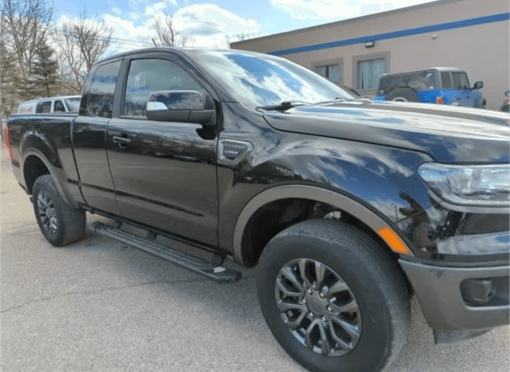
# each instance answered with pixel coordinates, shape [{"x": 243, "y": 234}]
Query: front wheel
[
  {"x": 59, "y": 223},
  {"x": 333, "y": 299}
]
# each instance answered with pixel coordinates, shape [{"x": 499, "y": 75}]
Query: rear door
[
  {"x": 164, "y": 172},
  {"x": 89, "y": 137}
]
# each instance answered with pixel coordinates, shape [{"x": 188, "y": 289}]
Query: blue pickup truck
[{"x": 440, "y": 85}]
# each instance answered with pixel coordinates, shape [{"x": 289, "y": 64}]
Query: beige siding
[{"x": 482, "y": 50}]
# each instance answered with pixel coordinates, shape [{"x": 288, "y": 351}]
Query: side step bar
[{"x": 210, "y": 269}]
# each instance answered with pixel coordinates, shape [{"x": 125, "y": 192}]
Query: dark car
[
  {"x": 347, "y": 207},
  {"x": 505, "y": 107}
]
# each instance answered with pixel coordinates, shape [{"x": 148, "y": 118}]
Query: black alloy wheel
[
  {"x": 47, "y": 212},
  {"x": 318, "y": 307},
  {"x": 333, "y": 298},
  {"x": 60, "y": 223}
]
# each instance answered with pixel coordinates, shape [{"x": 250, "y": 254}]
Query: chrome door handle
[{"x": 121, "y": 141}]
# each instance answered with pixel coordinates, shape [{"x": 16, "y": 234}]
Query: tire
[
  {"x": 364, "y": 299},
  {"x": 59, "y": 223},
  {"x": 402, "y": 95}
]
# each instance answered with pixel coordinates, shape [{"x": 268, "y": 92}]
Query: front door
[
  {"x": 89, "y": 134},
  {"x": 164, "y": 172}
]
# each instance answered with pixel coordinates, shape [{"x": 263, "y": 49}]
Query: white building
[{"x": 473, "y": 35}]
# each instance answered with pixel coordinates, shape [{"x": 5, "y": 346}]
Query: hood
[{"x": 448, "y": 134}]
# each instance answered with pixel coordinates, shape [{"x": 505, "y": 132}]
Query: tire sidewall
[
  {"x": 46, "y": 183},
  {"x": 371, "y": 352},
  {"x": 406, "y": 94}
]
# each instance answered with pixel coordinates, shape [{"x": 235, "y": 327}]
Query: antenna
[{"x": 156, "y": 45}]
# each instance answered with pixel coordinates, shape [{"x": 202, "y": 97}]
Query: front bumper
[{"x": 449, "y": 309}]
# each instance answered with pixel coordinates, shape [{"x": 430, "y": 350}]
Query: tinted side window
[
  {"x": 446, "y": 80},
  {"x": 418, "y": 81},
  {"x": 151, "y": 75},
  {"x": 460, "y": 81},
  {"x": 43, "y": 107},
  {"x": 99, "y": 100},
  {"x": 59, "y": 106}
]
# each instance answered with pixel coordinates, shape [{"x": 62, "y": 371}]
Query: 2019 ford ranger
[{"x": 346, "y": 206}]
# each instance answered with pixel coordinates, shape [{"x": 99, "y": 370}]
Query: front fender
[
  {"x": 376, "y": 184},
  {"x": 371, "y": 219}
]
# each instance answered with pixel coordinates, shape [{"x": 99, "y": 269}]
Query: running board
[{"x": 210, "y": 269}]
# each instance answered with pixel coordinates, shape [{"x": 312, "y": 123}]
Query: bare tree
[
  {"x": 168, "y": 35},
  {"x": 187, "y": 40},
  {"x": 24, "y": 25},
  {"x": 242, "y": 36},
  {"x": 228, "y": 41},
  {"x": 82, "y": 42}
]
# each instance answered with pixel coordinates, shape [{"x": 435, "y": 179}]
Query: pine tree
[
  {"x": 11, "y": 83},
  {"x": 44, "y": 76}
]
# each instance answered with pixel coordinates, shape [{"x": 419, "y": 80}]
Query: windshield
[
  {"x": 73, "y": 104},
  {"x": 263, "y": 80}
]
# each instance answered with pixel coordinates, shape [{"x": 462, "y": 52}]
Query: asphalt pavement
[{"x": 99, "y": 305}]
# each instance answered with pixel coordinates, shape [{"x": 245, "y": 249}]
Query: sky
[{"x": 210, "y": 22}]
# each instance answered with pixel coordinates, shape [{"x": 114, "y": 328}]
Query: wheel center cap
[{"x": 316, "y": 304}]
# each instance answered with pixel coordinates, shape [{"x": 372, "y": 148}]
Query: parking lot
[{"x": 99, "y": 305}]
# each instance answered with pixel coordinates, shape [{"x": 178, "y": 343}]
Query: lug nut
[
  {"x": 324, "y": 319},
  {"x": 322, "y": 295},
  {"x": 304, "y": 300},
  {"x": 310, "y": 291},
  {"x": 329, "y": 308},
  {"x": 311, "y": 314}
]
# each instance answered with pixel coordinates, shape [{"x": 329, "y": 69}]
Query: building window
[
  {"x": 330, "y": 72},
  {"x": 369, "y": 72}
]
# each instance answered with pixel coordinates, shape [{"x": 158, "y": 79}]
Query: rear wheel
[
  {"x": 333, "y": 299},
  {"x": 59, "y": 223},
  {"x": 402, "y": 95}
]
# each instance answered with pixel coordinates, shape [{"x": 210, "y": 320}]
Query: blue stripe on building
[{"x": 396, "y": 34}]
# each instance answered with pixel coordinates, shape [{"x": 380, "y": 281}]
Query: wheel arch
[
  {"x": 375, "y": 223},
  {"x": 34, "y": 164}
]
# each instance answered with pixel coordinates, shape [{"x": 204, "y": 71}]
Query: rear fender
[{"x": 56, "y": 172}]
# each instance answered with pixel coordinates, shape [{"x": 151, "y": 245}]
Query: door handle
[{"x": 121, "y": 141}]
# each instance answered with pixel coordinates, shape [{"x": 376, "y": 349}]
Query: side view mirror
[
  {"x": 182, "y": 106},
  {"x": 507, "y": 93},
  {"x": 478, "y": 85}
]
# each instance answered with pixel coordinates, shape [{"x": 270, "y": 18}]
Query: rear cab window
[
  {"x": 98, "y": 101},
  {"x": 446, "y": 80},
  {"x": 58, "y": 106},
  {"x": 419, "y": 81},
  {"x": 43, "y": 107}
]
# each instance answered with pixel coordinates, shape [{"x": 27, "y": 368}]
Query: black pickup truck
[{"x": 346, "y": 206}]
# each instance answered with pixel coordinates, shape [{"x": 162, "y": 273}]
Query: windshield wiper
[{"x": 284, "y": 106}]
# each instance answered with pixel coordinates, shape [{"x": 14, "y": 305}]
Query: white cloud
[
  {"x": 156, "y": 8},
  {"x": 340, "y": 9},
  {"x": 209, "y": 24}
]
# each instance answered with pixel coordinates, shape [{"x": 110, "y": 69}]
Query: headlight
[{"x": 483, "y": 185}]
